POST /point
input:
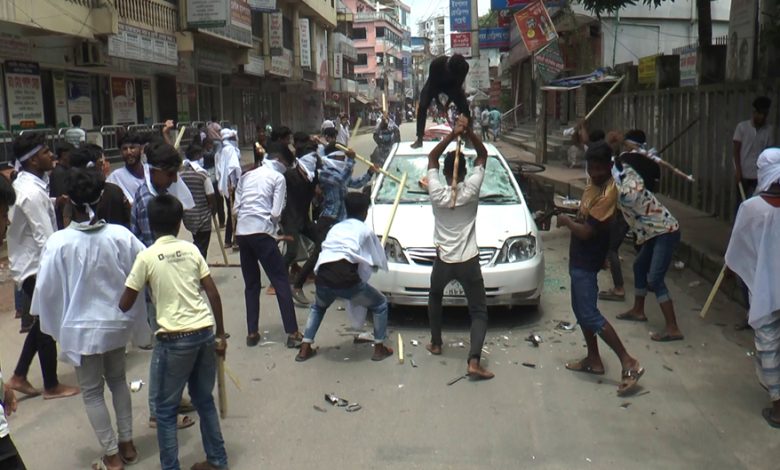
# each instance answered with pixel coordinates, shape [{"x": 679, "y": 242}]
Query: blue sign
[
  {"x": 460, "y": 15},
  {"x": 496, "y": 5},
  {"x": 494, "y": 38}
]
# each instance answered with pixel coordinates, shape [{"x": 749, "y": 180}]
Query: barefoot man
[{"x": 455, "y": 237}]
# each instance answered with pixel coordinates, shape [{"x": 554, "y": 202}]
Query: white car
[{"x": 510, "y": 248}]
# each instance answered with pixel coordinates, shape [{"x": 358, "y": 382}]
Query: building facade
[{"x": 436, "y": 29}]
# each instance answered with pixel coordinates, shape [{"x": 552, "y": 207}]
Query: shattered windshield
[{"x": 496, "y": 188}]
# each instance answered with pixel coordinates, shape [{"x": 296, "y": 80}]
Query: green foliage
[
  {"x": 489, "y": 20},
  {"x": 597, "y": 7}
]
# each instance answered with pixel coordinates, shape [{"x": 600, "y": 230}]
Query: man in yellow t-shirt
[
  {"x": 175, "y": 271},
  {"x": 587, "y": 252}
]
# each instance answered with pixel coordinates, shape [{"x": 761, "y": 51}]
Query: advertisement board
[
  {"x": 23, "y": 93},
  {"x": 276, "y": 33},
  {"x": 460, "y": 15},
  {"x": 304, "y": 38},
  {"x": 688, "y": 59},
  {"x": 123, "y": 105},
  {"x": 494, "y": 38},
  {"x": 263, "y": 5},
  {"x": 536, "y": 27},
  {"x": 206, "y": 13},
  {"x": 460, "y": 43},
  {"x": 549, "y": 62},
  {"x": 338, "y": 63},
  {"x": 281, "y": 65}
]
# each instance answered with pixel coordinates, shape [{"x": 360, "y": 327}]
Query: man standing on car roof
[{"x": 455, "y": 237}]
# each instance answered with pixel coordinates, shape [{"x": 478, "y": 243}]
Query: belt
[{"x": 183, "y": 334}]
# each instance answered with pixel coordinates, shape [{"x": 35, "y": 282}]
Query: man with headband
[
  {"x": 752, "y": 254},
  {"x": 32, "y": 223}
]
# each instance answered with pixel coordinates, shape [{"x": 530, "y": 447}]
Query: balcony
[
  {"x": 343, "y": 85},
  {"x": 321, "y": 10},
  {"x": 371, "y": 16},
  {"x": 344, "y": 45},
  {"x": 157, "y": 15},
  {"x": 85, "y": 19}
]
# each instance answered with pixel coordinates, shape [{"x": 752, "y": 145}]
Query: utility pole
[{"x": 474, "y": 30}]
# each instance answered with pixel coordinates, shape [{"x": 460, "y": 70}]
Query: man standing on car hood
[{"x": 455, "y": 237}]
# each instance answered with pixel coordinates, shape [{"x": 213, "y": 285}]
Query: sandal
[
  {"x": 767, "y": 414},
  {"x": 100, "y": 464},
  {"x": 182, "y": 422},
  {"x": 666, "y": 337},
  {"x": 628, "y": 316},
  {"x": 186, "y": 406},
  {"x": 131, "y": 447},
  {"x": 610, "y": 295},
  {"x": 582, "y": 366},
  {"x": 630, "y": 379}
]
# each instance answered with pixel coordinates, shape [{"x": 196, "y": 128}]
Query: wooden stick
[
  {"x": 221, "y": 392},
  {"x": 604, "y": 98},
  {"x": 182, "y": 129},
  {"x": 400, "y": 349},
  {"x": 233, "y": 378},
  {"x": 713, "y": 292},
  {"x": 455, "y": 175},
  {"x": 401, "y": 187},
  {"x": 368, "y": 162},
  {"x": 358, "y": 123},
  {"x": 678, "y": 136},
  {"x": 219, "y": 238},
  {"x": 384, "y": 104},
  {"x": 673, "y": 169},
  {"x": 722, "y": 274}
]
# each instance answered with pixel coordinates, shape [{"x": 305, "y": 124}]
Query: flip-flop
[
  {"x": 126, "y": 461},
  {"x": 767, "y": 414},
  {"x": 630, "y": 378},
  {"x": 182, "y": 422},
  {"x": 99, "y": 464},
  {"x": 666, "y": 337},
  {"x": 611, "y": 296},
  {"x": 629, "y": 317},
  {"x": 579, "y": 367}
]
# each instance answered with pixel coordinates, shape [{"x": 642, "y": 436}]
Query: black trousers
[
  {"x": 40, "y": 343},
  {"x": 9, "y": 456},
  {"x": 321, "y": 229},
  {"x": 202, "y": 240},
  {"x": 469, "y": 275},
  {"x": 220, "y": 203},
  {"x": 228, "y": 222},
  {"x": 291, "y": 253}
]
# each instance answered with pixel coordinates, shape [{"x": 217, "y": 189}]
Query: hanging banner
[
  {"x": 143, "y": 45},
  {"x": 460, "y": 15},
  {"x": 688, "y": 58},
  {"x": 13, "y": 46},
  {"x": 549, "y": 62},
  {"x": 60, "y": 98},
  {"x": 494, "y": 38},
  {"x": 647, "y": 69},
  {"x": 276, "y": 33},
  {"x": 460, "y": 43},
  {"x": 207, "y": 13},
  {"x": 123, "y": 106},
  {"x": 240, "y": 14},
  {"x": 338, "y": 62},
  {"x": 146, "y": 91},
  {"x": 23, "y": 93},
  {"x": 504, "y": 18},
  {"x": 304, "y": 38},
  {"x": 263, "y": 5},
  {"x": 321, "y": 59},
  {"x": 79, "y": 98},
  {"x": 536, "y": 27},
  {"x": 256, "y": 65}
]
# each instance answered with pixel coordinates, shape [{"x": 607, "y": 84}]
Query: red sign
[
  {"x": 536, "y": 27},
  {"x": 461, "y": 43},
  {"x": 504, "y": 18}
]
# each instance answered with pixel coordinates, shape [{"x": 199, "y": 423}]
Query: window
[
  {"x": 380, "y": 58},
  {"x": 380, "y": 31},
  {"x": 362, "y": 59},
  {"x": 287, "y": 33},
  {"x": 257, "y": 24},
  {"x": 358, "y": 33}
]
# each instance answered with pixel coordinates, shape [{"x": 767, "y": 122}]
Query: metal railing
[
  {"x": 514, "y": 116},
  {"x": 160, "y": 15}
]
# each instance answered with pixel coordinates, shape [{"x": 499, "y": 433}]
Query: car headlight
[
  {"x": 517, "y": 249},
  {"x": 394, "y": 252}
]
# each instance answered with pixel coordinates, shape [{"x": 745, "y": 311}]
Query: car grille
[{"x": 425, "y": 256}]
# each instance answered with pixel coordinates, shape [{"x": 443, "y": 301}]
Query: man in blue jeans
[
  {"x": 349, "y": 254},
  {"x": 186, "y": 348},
  {"x": 587, "y": 252}
]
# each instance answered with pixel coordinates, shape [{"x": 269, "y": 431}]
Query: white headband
[{"x": 27, "y": 156}]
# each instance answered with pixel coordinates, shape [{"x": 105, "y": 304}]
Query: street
[{"x": 698, "y": 405}]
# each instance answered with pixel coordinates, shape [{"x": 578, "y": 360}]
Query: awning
[
  {"x": 600, "y": 75},
  {"x": 362, "y": 99}
]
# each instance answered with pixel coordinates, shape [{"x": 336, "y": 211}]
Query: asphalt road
[{"x": 699, "y": 405}]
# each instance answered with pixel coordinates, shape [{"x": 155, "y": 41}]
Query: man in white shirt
[
  {"x": 349, "y": 254},
  {"x": 343, "y": 128},
  {"x": 228, "y": 170},
  {"x": 9, "y": 457},
  {"x": 75, "y": 135},
  {"x": 484, "y": 122},
  {"x": 32, "y": 223},
  {"x": 131, "y": 176},
  {"x": 751, "y": 137},
  {"x": 455, "y": 238},
  {"x": 260, "y": 199}
]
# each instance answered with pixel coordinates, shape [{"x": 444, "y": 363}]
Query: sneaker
[{"x": 300, "y": 298}]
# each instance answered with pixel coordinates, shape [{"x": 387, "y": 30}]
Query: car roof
[{"x": 405, "y": 149}]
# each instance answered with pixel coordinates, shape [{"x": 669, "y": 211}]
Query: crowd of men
[{"x": 96, "y": 255}]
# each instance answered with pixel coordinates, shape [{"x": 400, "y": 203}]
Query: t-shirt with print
[
  {"x": 597, "y": 208},
  {"x": 645, "y": 215},
  {"x": 173, "y": 269}
]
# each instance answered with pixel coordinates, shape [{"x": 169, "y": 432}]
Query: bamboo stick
[
  {"x": 221, "y": 392},
  {"x": 454, "y": 183},
  {"x": 604, "y": 98},
  {"x": 176, "y": 145},
  {"x": 401, "y": 187},
  {"x": 219, "y": 238}
]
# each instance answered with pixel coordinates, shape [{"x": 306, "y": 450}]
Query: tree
[{"x": 703, "y": 11}]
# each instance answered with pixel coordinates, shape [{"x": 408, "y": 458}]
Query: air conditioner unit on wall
[{"x": 90, "y": 54}]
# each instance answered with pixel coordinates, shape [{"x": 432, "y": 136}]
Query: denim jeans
[
  {"x": 151, "y": 315},
  {"x": 361, "y": 294},
  {"x": 652, "y": 263},
  {"x": 584, "y": 298},
  {"x": 190, "y": 361}
]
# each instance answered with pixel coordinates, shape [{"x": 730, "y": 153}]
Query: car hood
[{"x": 413, "y": 224}]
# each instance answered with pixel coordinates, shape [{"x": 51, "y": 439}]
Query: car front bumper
[{"x": 512, "y": 284}]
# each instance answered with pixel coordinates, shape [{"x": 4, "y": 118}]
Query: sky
[{"x": 423, "y": 9}]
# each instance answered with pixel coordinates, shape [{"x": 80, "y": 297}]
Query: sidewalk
[{"x": 704, "y": 238}]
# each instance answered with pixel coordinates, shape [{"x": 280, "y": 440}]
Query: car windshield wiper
[{"x": 498, "y": 198}]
